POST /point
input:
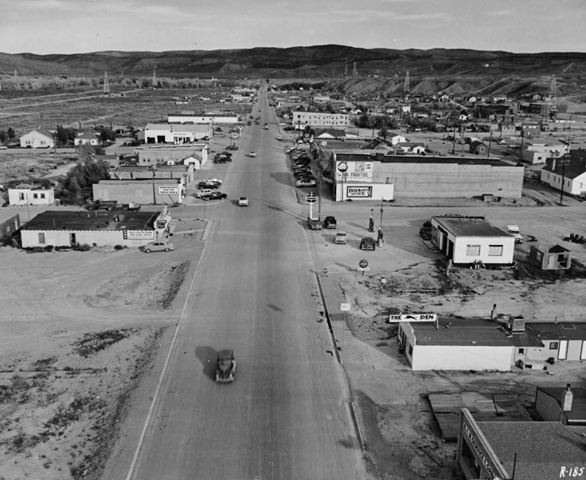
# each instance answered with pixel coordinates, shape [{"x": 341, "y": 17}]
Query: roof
[
  {"x": 371, "y": 156},
  {"x": 96, "y": 220},
  {"x": 162, "y": 181},
  {"x": 42, "y": 131},
  {"x": 470, "y": 227},
  {"x": 477, "y": 143},
  {"x": 534, "y": 450},
  {"x": 87, "y": 135},
  {"x": 334, "y": 132},
  {"x": 469, "y": 332},
  {"x": 574, "y": 169},
  {"x": 558, "y": 331},
  {"x": 578, "y": 412}
]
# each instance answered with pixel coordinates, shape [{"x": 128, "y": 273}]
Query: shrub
[
  {"x": 49, "y": 248},
  {"x": 118, "y": 247},
  {"x": 83, "y": 247}
]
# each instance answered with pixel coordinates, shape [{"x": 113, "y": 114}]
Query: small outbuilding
[
  {"x": 28, "y": 195},
  {"x": 553, "y": 257},
  {"x": 9, "y": 223},
  {"x": 478, "y": 148},
  {"x": 565, "y": 405},
  {"x": 468, "y": 240}
]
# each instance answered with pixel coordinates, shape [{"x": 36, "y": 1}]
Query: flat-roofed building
[
  {"x": 156, "y": 191},
  {"x": 472, "y": 240},
  {"x": 97, "y": 228},
  {"x": 320, "y": 119}
]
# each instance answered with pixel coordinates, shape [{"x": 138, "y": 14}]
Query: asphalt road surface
[{"x": 286, "y": 416}]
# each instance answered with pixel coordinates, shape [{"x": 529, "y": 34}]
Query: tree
[
  {"x": 77, "y": 186},
  {"x": 11, "y": 133},
  {"x": 3, "y": 136}
]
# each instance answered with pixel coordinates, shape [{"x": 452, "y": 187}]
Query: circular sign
[
  {"x": 311, "y": 199},
  {"x": 363, "y": 263},
  {"x": 342, "y": 167}
]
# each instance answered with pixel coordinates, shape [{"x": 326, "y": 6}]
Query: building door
[
  {"x": 563, "y": 351},
  {"x": 583, "y": 352},
  {"x": 72, "y": 239}
]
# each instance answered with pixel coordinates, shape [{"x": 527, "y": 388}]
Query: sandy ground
[{"x": 79, "y": 331}]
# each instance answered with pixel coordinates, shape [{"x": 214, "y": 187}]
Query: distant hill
[{"x": 429, "y": 70}]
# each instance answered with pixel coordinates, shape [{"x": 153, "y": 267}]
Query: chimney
[{"x": 567, "y": 399}]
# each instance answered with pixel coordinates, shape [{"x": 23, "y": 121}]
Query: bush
[
  {"x": 49, "y": 248},
  {"x": 118, "y": 247},
  {"x": 84, "y": 247}
]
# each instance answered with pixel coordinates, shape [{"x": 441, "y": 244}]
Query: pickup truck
[
  {"x": 130, "y": 207},
  {"x": 102, "y": 205}
]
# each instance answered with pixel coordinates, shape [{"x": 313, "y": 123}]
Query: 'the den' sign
[{"x": 421, "y": 317}]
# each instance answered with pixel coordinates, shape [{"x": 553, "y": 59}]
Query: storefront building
[{"x": 156, "y": 191}]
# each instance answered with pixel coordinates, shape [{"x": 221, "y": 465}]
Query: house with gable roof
[
  {"x": 567, "y": 174},
  {"x": 38, "y": 138}
]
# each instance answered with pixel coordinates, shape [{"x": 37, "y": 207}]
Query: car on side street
[
  {"x": 252, "y": 154},
  {"x": 305, "y": 183},
  {"x": 214, "y": 196},
  {"x": 330, "y": 222},
  {"x": 368, "y": 243},
  {"x": 243, "y": 202},
  {"x": 157, "y": 246},
  {"x": 313, "y": 224},
  {"x": 340, "y": 238}
]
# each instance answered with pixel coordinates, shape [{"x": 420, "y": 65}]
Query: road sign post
[{"x": 342, "y": 168}]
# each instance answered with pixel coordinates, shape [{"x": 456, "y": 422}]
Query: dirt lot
[{"x": 79, "y": 331}]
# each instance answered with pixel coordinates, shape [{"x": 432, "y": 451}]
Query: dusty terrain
[{"x": 79, "y": 331}]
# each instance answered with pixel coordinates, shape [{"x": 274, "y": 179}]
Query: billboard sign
[
  {"x": 355, "y": 171},
  {"x": 168, "y": 190},
  {"x": 358, "y": 192},
  {"x": 413, "y": 317}
]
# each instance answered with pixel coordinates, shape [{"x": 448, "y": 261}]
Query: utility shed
[
  {"x": 97, "y": 228},
  {"x": 551, "y": 257},
  {"x": 472, "y": 240},
  {"x": 519, "y": 450},
  {"x": 549, "y": 404}
]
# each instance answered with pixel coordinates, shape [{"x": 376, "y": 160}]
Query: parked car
[
  {"x": 330, "y": 222},
  {"x": 204, "y": 193},
  {"x": 207, "y": 185},
  {"x": 243, "y": 202},
  {"x": 340, "y": 238},
  {"x": 225, "y": 366},
  {"x": 214, "y": 196},
  {"x": 252, "y": 154},
  {"x": 231, "y": 147},
  {"x": 515, "y": 232},
  {"x": 367, "y": 243},
  {"x": 305, "y": 183},
  {"x": 313, "y": 224},
  {"x": 157, "y": 246}
]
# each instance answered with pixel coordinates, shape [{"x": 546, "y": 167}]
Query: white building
[
  {"x": 472, "y": 240},
  {"x": 31, "y": 196},
  {"x": 39, "y": 138},
  {"x": 320, "y": 119},
  {"x": 87, "y": 138},
  {"x": 538, "y": 153},
  {"x": 567, "y": 174},
  {"x": 97, "y": 228},
  {"x": 177, "y": 134}
]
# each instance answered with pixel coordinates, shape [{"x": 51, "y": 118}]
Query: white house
[
  {"x": 538, "y": 153},
  {"x": 39, "y": 138},
  {"x": 411, "y": 147},
  {"x": 26, "y": 195},
  {"x": 87, "y": 138},
  {"x": 472, "y": 240},
  {"x": 395, "y": 139},
  {"x": 569, "y": 175}
]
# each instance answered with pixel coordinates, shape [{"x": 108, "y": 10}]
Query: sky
[{"x": 80, "y": 26}]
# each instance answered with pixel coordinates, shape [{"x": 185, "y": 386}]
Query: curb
[{"x": 339, "y": 358}]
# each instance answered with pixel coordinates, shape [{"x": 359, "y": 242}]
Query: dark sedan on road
[
  {"x": 367, "y": 243},
  {"x": 214, "y": 196}
]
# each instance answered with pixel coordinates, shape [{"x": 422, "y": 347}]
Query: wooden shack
[{"x": 551, "y": 257}]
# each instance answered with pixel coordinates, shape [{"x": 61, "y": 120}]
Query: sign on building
[
  {"x": 421, "y": 317},
  {"x": 359, "y": 192},
  {"x": 357, "y": 171},
  {"x": 168, "y": 189},
  {"x": 138, "y": 235}
]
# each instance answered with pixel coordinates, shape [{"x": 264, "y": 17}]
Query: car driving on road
[
  {"x": 214, "y": 196},
  {"x": 225, "y": 366},
  {"x": 243, "y": 202},
  {"x": 367, "y": 243}
]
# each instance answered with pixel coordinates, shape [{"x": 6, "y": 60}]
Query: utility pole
[{"x": 489, "y": 143}]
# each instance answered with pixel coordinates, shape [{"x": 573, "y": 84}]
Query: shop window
[
  {"x": 35, "y": 195},
  {"x": 554, "y": 345},
  {"x": 495, "y": 250},
  {"x": 472, "y": 250}
]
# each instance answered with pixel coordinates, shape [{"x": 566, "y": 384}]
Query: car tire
[
  {"x": 147, "y": 250},
  {"x": 166, "y": 249}
]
